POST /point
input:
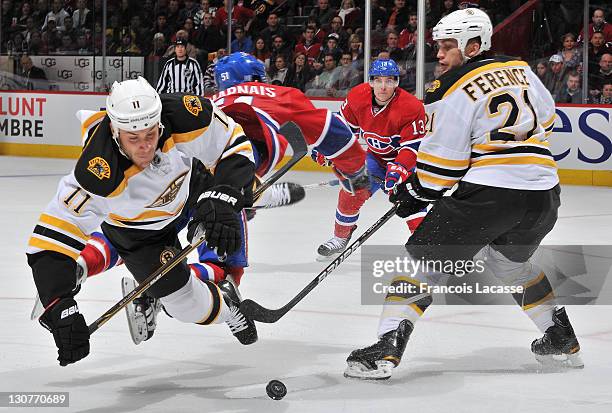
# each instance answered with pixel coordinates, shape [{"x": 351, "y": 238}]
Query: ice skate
[
  {"x": 282, "y": 194},
  {"x": 333, "y": 247},
  {"x": 559, "y": 345},
  {"x": 377, "y": 361},
  {"x": 141, "y": 312},
  {"x": 242, "y": 327}
]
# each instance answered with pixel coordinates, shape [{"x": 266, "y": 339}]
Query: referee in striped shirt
[{"x": 181, "y": 73}]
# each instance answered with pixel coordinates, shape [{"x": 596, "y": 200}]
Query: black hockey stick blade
[{"x": 259, "y": 313}]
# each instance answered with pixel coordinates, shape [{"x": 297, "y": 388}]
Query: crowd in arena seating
[{"x": 313, "y": 45}]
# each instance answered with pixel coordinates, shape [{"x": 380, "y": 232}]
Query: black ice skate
[
  {"x": 282, "y": 194},
  {"x": 559, "y": 344},
  {"x": 141, "y": 313},
  {"x": 242, "y": 327},
  {"x": 334, "y": 247},
  {"x": 377, "y": 361}
]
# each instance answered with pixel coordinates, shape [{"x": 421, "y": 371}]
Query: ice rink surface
[{"x": 459, "y": 359}]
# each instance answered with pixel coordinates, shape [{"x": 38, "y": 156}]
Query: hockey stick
[
  {"x": 299, "y": 151},
  {"x": 259, "y": 313}
]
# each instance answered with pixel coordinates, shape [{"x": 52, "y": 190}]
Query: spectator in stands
[
  {"x": 300, "y": 73},
  {"x": 81, "y": 16},
  {"x": 398, "y": 19},
  {"x": 128, "y": 46},
  {"x": 242, "y": 42},
  {"x": 125, "y": 10},
  {"x": 161, "y": 25},
  {"x": 199, "y": 16},
  {"x": 335, "y": 26},
  {"x": 192, "y": 50},
  {"x": 210, "y": 87},
  {"x": 597, "y": 48},
  {"x": 189, "y": 10},
  {"x": 599, "y": 24},
  {"x": 19, "y": 45},
  {"x": 29, "y": 29},
  {"x": 408, "y": 36},
  {"x": 67, "y": 46},
  {"x": 351, "y": 16},
  {"x": 279, "y": 47},
  {"x": 208, "y": 36},
  {"x": 331, "y": 47},
  {"x": 273, "y": 29},
  {"x": 379, "y": 14},
  {"x": 172, "y": 15},
  {"x": 572, "y": 56},
  {"x": 139, "y": 33},
  {"x": 34, "y": 77},
  {"x": 606, "y": 95},
  {"x": 50, "y": 35},
  {"x": 83, "y": 47},
  {"x": 36, "y": 46},
  {"x": 24, "y": 14},
  {"x": 69, "y": 28},
  {"x": 278, "y": 71},
  {"x": 571, "y": 93},
  {"x": 447, "y": 7},
  {"x": 41, "y": 8},
  {"x": 319, "y": 33},
  {"x": 541, "y": 70},
  {"x": 348, "y": 77},
  {"x": 159, "y": 45},
  {"x": 58, "y": 12},
  {"x": 323, "y": 13},
  {"x": 322, "y": 84},
  {"x": 604, "y": 75},
  {"x": 554, "y": 79},
  {"x": 356, "y": 51},
  {"x": 393, "y": 48},
  {"x": 240, "y": 15},
  {"x": 261, "y": 52},
  {"x": 308, "y": 46}
]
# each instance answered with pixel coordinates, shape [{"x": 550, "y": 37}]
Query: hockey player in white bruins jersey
[
  {"x": 487, "y": 129},
  {"x": 143, "y": 167}
]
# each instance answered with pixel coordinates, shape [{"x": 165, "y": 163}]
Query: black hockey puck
[{"x": 276, "y": 390}]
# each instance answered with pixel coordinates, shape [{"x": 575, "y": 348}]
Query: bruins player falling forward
[
  {"x": 488, "y": 123},
  {"x": 135, "y": 179}
]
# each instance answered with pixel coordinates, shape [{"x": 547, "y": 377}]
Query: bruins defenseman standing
[
  {"x": 135, "y": 179},
  {"x": 488, "y": 123}
]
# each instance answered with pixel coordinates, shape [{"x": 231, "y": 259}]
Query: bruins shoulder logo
[
  {"x": 99, "y": 167},
  {"x": 434, "y": 85},
  {"x": 192, "y": 104}
]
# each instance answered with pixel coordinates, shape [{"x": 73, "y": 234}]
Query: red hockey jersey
[
  {"x": 394, "y": 132},
  {"x": 262, "y": 109}
]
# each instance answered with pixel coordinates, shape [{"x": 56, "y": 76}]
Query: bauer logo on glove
[{"x": 396, "y": 174}]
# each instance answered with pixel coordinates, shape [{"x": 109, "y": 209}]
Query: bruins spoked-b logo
[
  {"x": 192, "y": 104},
  {"x": 166, "y": 255},
  {"x": 169, "y": 193},
  {"x": 99, "y": 167}
]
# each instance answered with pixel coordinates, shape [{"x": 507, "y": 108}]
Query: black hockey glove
[
  {"x": 69, "y": 329},
  {"x": 216, "y": 213},
  {"x": 408, "y": 200}
]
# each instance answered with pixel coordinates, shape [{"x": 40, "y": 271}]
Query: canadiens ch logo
[
  {"x": 192, "y": 104},
  {"x": 381, "y": 145},
  {"x": 169, "y": 193},
  {"x": 434, "y": 85},
  {"x": 99, "y": 167}
]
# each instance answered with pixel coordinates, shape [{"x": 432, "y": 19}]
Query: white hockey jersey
[
  {"x": 106, "y": 186},
  {"x": 488, "y": 123}
]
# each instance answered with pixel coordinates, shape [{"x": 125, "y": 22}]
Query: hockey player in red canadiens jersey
[{"x": 392, "y": 123}]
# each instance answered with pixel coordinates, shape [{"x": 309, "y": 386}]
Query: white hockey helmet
[
  {"x": 133, "y": 105},
  {"x": 463, "y": 25}
]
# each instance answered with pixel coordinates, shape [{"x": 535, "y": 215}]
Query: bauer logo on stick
[{"x": 99, "y": 167}]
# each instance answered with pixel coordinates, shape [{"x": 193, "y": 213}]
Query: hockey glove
[
  {"x": 355, "y": 182},
  {"x": 319, "y": 158},
  {"x": 396, "y": 174},
  {"x": 69, "y": 329},
  {"x": 407, "y": 199},
  {"x": 216, "y": 214}
]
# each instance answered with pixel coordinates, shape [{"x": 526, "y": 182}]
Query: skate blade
[
  {"x": 572, "y": 361},
  {"x": 137, "y": 324},
  {"x": 356, "y": 370}
]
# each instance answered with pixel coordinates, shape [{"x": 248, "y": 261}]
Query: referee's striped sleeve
[
  {"x": 198, "y": 79},
  {"x": 163, "y": 82}
]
